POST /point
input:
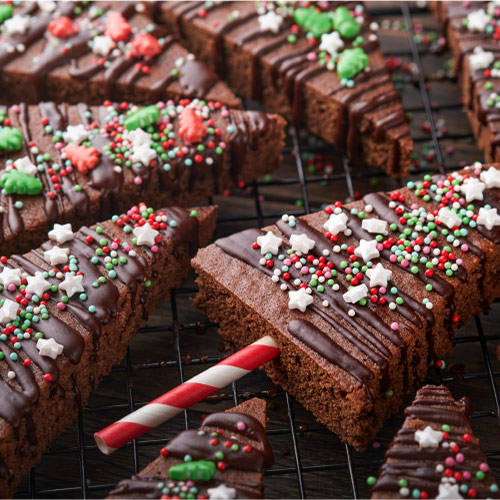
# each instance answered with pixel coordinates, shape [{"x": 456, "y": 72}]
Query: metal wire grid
[{"x": 349, "y": 176}]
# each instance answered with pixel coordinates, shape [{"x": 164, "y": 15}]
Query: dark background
[{"x": 310, "y": 461}]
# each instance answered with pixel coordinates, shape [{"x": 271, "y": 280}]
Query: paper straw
[{"x": 185, "y": 395}]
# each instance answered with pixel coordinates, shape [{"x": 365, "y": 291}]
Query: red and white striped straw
[{"x": 185, "y": 395}]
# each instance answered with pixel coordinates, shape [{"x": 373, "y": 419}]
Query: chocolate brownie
[
  {"x": 472, "y": 33},
  {"x": 363, "y": 293},
  {"x": 435, "y": 454},
  {"x": 320, "y": 66},
  {"x": 224, "y": 458},
  {"x": 68, "y": 311},
  {"x": 80, "y": 164},
  {"x": 91, "y": 51}
]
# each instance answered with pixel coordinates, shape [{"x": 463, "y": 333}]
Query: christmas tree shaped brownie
[
  {"x": 360, "y": 296},
  {"x": 79, "y": 163},
  {"x": 435, "y": 454},
  {"x": 68, "y": 310},
  {"x": 224, "y": 458},
  {"x": 318, "y": 64},
  {"x": 91, "y": 51}
]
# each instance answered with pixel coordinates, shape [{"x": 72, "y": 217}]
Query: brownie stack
[
  {"x": 224, "y": 458},
  {"x": 359, "y": 296},
  {"x": 319, "y": 65},
  {"x": 435, "y": 454}
]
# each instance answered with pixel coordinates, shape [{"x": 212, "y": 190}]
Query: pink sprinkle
[
  {"x": 185, "y": 150},
  {"x": 61, "y": 306},
  {"x": 405, "y": 263},
  {"x": 328, "y": 275},
  {"x": 311, "y": 56},
  {"x": 376, "y": 444},
  {"x": 466, "y": 475},
  {"x": 11, "y": 287},
  {"x": 15, "y": 108},
  {"x": 59, "y": 145},
  {"x": 126, "y": 248},
  {"x": 224, "y": 113},
  {"x": 459, "y": 262},
  {"x": 114, "y": 246},
  {"x": 241, "y": 426},
  {"x": 380, "y": 247},
  {"x": 160, "y": 104},
  {"x": 348, "y": 270},
  {"x": 382, "y": 290},
  {"x": 287, "y": 262},
  {"x": 394, "y": 326},
  {"x": 154, "y": 248},
  {"x": 28, "y": 296},
  {"x": 304, "y": 270},
  {"x": 459, "y": 457},
  {"x": 393, "y": 258},
  {"x": 464, "y": 247},
  {"x": 137, "y": 180},
  {"x": 484, "y": 467},
  {"x": 450, "y": 462},
  {"x": 414, "y": 206},
  {"x": 222, "y": 144},
  {"x": 477, "y": 171},
  {"x": 426, "y": 250},
  {"x": 69, "y": 168},
  {"x": 170, "y": 102}
]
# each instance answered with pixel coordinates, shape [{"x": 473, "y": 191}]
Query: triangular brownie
[
  {"x": 360, "y": 296},
  {"x": 68, "y": 311},
  {"x": 91, "y": 51},
  {"x": 80, "y": 164},
  {"x": 224, "y": 458},
  {"x": 471, "y": 29},
  {"x": 435, "y": 454},
  {"x": 317, "y": 63}
]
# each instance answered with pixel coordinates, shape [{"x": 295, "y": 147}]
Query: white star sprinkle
[
  {"x": 270, "y": 22},
  {"x": 102, "y": 45},
  {"x": 480, "y": 59},
  {"x": 8, "y": 312},
  {"x": 428, "y": 438},
  {"x": 76, "y": 134},
  {"x": 222, "y": 492},
  {"x": 448, "y": 491},
  {"x": 478, "y": 20},
  {"x": 25, "y": 166},
  {"x": 473, "y": 189},
  {"x": 488, "y": 217},
  {"x": 10, "y": 276},
  {"x": 355, "y": 294},
  {"x": 145, "y": 235},
  {"x": 37, "y": 284},
  {"x": 374, "y": 225},
  {"x": 17, "y": 25},
  {"x": 367, "y": 250},
  {"x": 56, "y": 256},
  {"x": 72, "y": 284},
  {"x": 143, "y": 154},
  {"x": 331, "y": 43},
  {"x": 138, "y": 137},
  {"x": 491, "y": 177},
  {"x": 61, "y": 233},
  {"x": 269, "y": 243},
  {"x": 336, "y": 223},
  {"x": 379, "y": 275},
  {"x": 299, "y": 300},
  {"x": 449, "y": 217},
  {"x": 49, "y": 348},
  {"x": 301, "y": 243}
]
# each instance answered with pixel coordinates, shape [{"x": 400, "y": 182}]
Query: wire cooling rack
[{"x": 179, "y": 342}]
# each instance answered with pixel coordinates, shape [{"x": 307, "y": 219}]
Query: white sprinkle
[
  {"x": 11, "y": 375},
  {"x": 352, "y": 313},
  {"x": 283, "y": 287},
  {"x": 325, "y": 303},
  {"x": 275, "y": 279}
]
